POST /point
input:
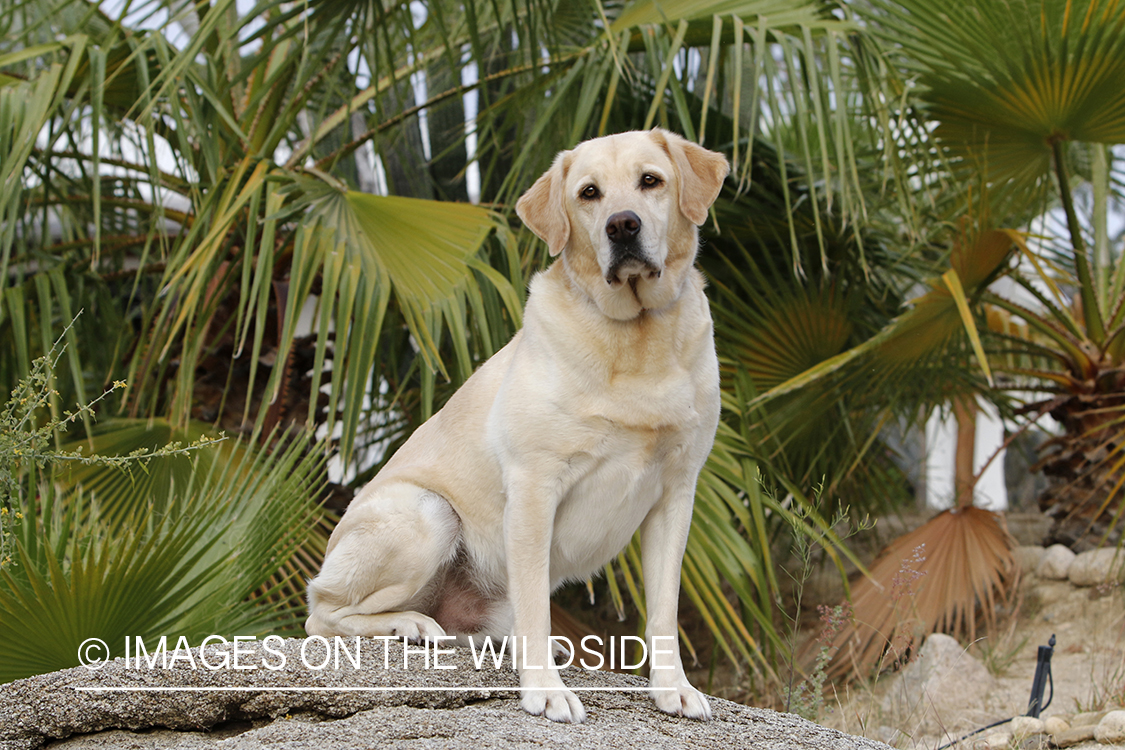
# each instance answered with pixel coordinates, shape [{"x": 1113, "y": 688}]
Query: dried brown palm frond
[{"x": 941, "y": 577}]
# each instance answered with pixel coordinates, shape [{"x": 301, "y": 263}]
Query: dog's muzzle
[{"x": 627, "y": 260}]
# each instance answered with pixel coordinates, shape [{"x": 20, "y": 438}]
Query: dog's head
[{"x": 624, "y": 211}]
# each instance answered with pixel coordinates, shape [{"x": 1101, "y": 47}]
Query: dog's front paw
[
  {"x": 413, "y": 626},
  {"x": 553, "y": 701},
  {"x": 683, "y": 700}
]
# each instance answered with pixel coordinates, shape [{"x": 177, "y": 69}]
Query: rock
[
  {"x": 941, "y": 684},
  {"x": 1111, "y": 729},
  {"x": 1055, "y": 563},
  {"x": 1027, "y": 558},
  {"x": 378, "y": 703},
  {"x": 1097, "y": 566},
  {"x": 998, "y": 740},
  {"x": 1087, "y": 719},
  {"x": 1025, "y": 726},
  {"x": 1073, "y": 736},
  {"x": 1047, "y": 593},
  {"x": 1055, "y": 725}
]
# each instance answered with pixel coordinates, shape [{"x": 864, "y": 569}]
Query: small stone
[
  {"x": 1087, "y": 719},
  {"x": 1046, "y": 593},
  {"x": 1074, "y": 736},
  {"x": 1055, "y": 725},
  {"x": 1055, "y": 562},
  {"x": 1097, "y": 566},
  {"x": 1111, "y": 729},
  {"x": 1025, "y": 726},
  {"x": 1027, "y": 558},
  {"x": 998, "y": 740}
]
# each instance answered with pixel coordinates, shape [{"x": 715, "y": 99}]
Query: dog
[{"x": 595, "y": 420}]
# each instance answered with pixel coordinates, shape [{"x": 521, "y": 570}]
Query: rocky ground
[
  {"x": 950, "y": 691},
  {"x": 295, "y": 706}
]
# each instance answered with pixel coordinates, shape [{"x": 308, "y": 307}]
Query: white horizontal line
[{"x": 227, "y": 689}]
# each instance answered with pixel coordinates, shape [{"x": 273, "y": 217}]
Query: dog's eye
[
  {"x": 590, "y": 192},
  {"x": 649, "y": 181}
]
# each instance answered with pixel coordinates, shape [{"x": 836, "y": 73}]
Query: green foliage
[
  {"x": 1009, "y": 91},
  {"x": 806, "y": 697},
  {"x": 256, "y": 240},
  {"x": 1004, "y": 81},
  {"x": 1026, "y": 97},
  {"x": 201, "y": 562},
  {"x": 289, "y": 110}
]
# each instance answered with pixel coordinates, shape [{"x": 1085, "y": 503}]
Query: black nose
[{"x": 622, "y": 226}]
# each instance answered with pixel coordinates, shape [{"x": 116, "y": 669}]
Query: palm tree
[
  {"x": 1016, "y": 93},
  {"x": 1021, "y": 95}
]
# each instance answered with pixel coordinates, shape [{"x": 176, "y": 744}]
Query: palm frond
[
  {"x": 937, "y": 578},
  {"x": 923, "y": 331},
  {"x": 1007, "y": 80},
  {"x": 195, "y": 567}
]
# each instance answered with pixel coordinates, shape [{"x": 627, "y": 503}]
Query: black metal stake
[{"x": 1042, "y": 677}]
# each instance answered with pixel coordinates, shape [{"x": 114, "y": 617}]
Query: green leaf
[
  {"x": 953, "y": 283},
  {"x": 202, "y": 564},
  {"x": 1006, "y": 79}
]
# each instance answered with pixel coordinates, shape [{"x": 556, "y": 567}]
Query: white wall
[{"x": 941, "y": 441}]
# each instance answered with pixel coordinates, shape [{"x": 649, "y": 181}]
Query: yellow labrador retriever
[{"x": 592, "y": 422}]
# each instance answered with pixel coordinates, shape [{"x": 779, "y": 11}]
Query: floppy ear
[
  {"x": 701, "y": 174},
  {"x": 542, "y": 209}
]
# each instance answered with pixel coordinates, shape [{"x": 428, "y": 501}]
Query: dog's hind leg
[{"x": 391, "y": 548}]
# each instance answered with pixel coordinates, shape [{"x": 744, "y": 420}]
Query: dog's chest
[
  {"x": 644, "y": 403},
  {"x": 614, "y": 488}
]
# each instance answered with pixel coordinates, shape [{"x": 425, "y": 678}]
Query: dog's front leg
[
  {"x": 528, "y": 527},
  {"x": 664, "y": 536}
]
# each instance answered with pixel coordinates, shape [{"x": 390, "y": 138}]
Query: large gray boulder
[
  {"x": 942, "y": 682},
  {"x": 378, "y": 704}
]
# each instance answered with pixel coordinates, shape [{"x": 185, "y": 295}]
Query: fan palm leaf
[
  {"x": 120, "y": 493},
  {"x": 1006, "y": 79},
  {"x": 201, "y": 564},
  {"x": 921, "y": 335},
  {"x": 1022, "y": 92},
  {"x": 918, "y": 360},
  {"x": 932, "y": 579},
  {"x": 1009, "y": 86}
]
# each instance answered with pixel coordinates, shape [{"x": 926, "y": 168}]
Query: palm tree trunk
[
  {"x": 1084, "y": 492},
  {"x": 965, "y": 411}
]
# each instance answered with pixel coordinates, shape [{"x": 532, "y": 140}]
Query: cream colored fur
[{"x": 594, "y": 421}]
